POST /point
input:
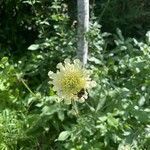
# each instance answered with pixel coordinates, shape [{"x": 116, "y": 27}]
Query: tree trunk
[{"x": 83, "y": 26}]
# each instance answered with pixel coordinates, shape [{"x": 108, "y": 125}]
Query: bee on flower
[{"x": 71, "y": 81}]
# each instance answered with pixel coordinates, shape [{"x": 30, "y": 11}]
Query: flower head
[{"x": 71, "y": 81}]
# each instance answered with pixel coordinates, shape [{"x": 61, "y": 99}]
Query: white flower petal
[
  {"x": 67, "y": 61},
  {"x": 50, "y": 74},
  {"x": 60, "y": 66}
]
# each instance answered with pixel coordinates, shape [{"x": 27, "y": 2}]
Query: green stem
[
  {"x": 27, "y": 87},
  {"x": 75, "y": 107}
]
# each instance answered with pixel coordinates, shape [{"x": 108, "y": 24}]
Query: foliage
[
  {"x": 130, "y": 16},
  {"x": 116, "y": 113},
  {"x": 25, "y": 21}
]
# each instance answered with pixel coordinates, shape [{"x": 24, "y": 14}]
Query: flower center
[{"x": 72, "y": 82}]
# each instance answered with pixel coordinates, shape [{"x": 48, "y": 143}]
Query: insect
[{"x": 81, "y": 93}]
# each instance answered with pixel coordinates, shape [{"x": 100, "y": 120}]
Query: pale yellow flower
[{"x": 71, "y": 81}]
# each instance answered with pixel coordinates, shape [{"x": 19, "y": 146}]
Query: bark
[{"x": 83, "y": 26}]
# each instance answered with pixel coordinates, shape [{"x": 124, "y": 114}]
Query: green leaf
[
  {"x": 112, "y": 121},
  {"x": 33, "y": 47},
  {"x": 50, "y": 110},
  {"x": 61, "y": 115},
  {"x": 63, "y": 135},
  {"x": 148, "y": 37}
]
